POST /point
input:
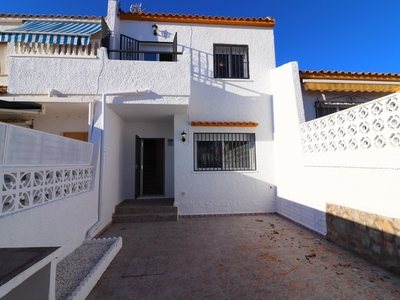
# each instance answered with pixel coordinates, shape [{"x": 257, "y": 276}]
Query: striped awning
[{"x": 51, "y": 32}]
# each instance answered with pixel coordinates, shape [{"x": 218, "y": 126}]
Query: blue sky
[{"x": 340, "y": 35}]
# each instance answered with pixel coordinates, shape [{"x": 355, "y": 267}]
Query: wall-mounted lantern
[
  {"x": 183, "y": 136},
  {"x": 155, "y": 29}
]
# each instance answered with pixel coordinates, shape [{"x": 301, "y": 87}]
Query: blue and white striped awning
[{"x": 51, "y": 32}]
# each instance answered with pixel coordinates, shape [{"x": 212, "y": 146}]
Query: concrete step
[
  {"x": 148, "y": 202},
  {"x": 78, "y": 273},
  {"x": 145, "y": 217},
  {"x": 127, "y": 209}
]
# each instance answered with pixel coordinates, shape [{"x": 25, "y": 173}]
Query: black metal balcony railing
[{"x": 131, "y": 49}]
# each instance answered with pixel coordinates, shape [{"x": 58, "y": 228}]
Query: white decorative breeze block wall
[
  {"x": 25, "y": 188},
  {"x": 367, "y": 135}
]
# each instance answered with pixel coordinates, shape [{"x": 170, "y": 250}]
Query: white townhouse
[{"x": 183, "y": 104}]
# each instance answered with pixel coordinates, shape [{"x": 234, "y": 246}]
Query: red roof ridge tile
[{"x": 189, "y": 18}]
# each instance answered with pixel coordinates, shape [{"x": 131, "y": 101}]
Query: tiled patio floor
[{"x": 245, "y": 257}]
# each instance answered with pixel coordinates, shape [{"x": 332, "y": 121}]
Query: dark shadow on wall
[
  {"x": 202, "y": 71},
  {"x": 379, "y": 246},
  {"x": 376, "y": 242}
]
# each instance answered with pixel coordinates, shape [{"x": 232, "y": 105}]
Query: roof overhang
[
  {"x": 223, "y": 124},
  {"x": 197, "y": 19},
  {"x": 332, "y": 81},
  {"x": 350, "y": 86},
  {"x": 20, "y": 107}
]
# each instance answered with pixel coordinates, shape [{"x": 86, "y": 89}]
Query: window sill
[
  {"x": 234, "y": 79},
  {"x": 224, "y": 172}
]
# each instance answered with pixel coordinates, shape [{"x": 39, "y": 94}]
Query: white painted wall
[
  {"x": 114, "y": 161},
  {"x": 60, "y": 118},
  {"x": 60, "y": 223},
  {"x": 302, "y": 191},
  {"x": 225, "y": 191},
  {"x": 92, "y": 76}
]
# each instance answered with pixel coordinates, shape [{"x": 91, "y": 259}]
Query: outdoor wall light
[
  {"x": 183, "y": 136},
  {"x": 155, "y": 28}
]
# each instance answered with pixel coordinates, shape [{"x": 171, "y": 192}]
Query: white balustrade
[
  {"x": 41, "y": 49},
  {"x": 37, "y": 168},
  {"x": 352, "y": 134}
]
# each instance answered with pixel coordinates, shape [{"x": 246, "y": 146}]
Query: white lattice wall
[
  {"x": 24, "y": 188},
  {"x": 364, "y": 136}
]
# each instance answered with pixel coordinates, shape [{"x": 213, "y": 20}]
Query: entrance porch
[{"x": 139, "y": 141}]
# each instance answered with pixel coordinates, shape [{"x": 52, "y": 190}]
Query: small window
[
  {"x": 324, "y": 108},
  {"x": 224, "y": 151},
  {"x": 231, "y": 61}
]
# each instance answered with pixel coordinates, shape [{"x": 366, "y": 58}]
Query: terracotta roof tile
[
  {"x": 30, "y": 16},
  {"x": 3, "y": 90},
  {"x": 224, "y": 124},
  {"x": 198, "y": 19},
  {"x": 349, "y": 75}
]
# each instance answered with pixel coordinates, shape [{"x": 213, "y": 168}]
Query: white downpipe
[{"x": 92, "y": 230}]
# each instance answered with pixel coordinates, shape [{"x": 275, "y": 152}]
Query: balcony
[
  {"x": 88, "y": 70},
  {"x": 132, "y": 49}
]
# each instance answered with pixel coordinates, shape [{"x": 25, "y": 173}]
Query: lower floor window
[{"x": 224, "y": 151}]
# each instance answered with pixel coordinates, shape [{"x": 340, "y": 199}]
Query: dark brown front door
[{"x": 149, "y": 167}]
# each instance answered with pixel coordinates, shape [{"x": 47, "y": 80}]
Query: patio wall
[
  {"x": 51, "y": 185},
  {"x": 111, "y": 167},
  {"x": 307, "y": 183}
]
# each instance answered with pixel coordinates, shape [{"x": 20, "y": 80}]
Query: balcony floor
[{"x": 236, "y": 257}]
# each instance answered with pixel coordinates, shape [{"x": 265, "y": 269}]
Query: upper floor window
[{"x": 231, "y": 61}]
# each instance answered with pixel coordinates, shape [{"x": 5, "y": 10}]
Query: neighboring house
[
  {"x": 327, "y": 92},
  {"x": 47, "y": 36}
]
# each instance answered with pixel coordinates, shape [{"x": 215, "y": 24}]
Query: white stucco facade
[{"x": 123, "y": 100}]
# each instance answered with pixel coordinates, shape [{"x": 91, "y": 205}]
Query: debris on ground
[
  {"x": 258, "y": 220},
  {"x": 311, "y": 255}
]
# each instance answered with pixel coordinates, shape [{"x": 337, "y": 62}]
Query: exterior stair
[{"x": 145, "y": 210}]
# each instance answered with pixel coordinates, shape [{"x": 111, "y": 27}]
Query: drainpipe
[{"x": 92, "y": 230}]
